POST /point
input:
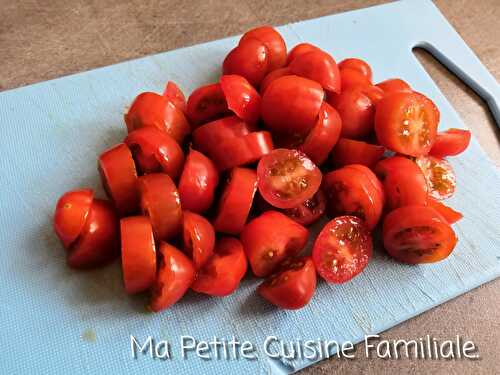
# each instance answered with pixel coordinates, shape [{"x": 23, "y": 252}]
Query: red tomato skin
[
  {"x": 274, "y": 43},
  {"x": 291, "y": 289},
  {"x": 272, "y": 76},
  {"x": 298, "y": 50},
  {"x": 319, "y": 66},
  {"x": 159, "y": 151},
  {"x": 175, "y": 275},
  {"x": 393, "y": 85},
  {"x": 357, "y": 64},
  {"x": 153, "y": 110},
  {"x": 291, "y": 104},
  {"x": 160, "y": 201},
  {"x": 448, "y": 213},
  {"x": 175, "y": 95},
  {"x": 450, "y": 143},
  {"x": 119, "y": 178},
  {"x": 323, "y": 136},
  {"x": 350, "y": 151},
  {"x": 206, "y": 103},
  {"x": 249, "y": 59},
  {"x": 198, "y": 182},
  {"x": 269, "y": 239},
  {"x": 198, "y": 238},
  {"x": 241, "y": 98},
  {"x": 223, "y": 272},
  {"x": 236, "y": 201},
  {"x": 351, "y": 78},
  {"x": 440, "y": 177},
  {"x": 138, "y": 253},
  {"x": 71, "y": 214},
  {"x": 309, "y": 211},
  {"x": 98, "y": 243}
]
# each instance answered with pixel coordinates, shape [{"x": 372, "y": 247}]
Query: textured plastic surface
[{"x": 52, "y": 132}]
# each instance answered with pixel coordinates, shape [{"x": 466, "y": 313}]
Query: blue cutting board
[{"x": 52, "y": 132}]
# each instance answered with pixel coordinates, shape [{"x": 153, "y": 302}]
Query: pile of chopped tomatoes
[{"x": 232, "y": 177}]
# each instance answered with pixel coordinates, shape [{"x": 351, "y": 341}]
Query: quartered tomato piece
[
  {"x": 236, "y": 201},
  {"x": 222, "y": 274},
  {"x": 272, "y": 76},
  {"x": 300, "y": 49},
  {"x": 292, "y": 286},
  {"x": 155, "y": 151},
  {"x": 160, "y": 201},
  {"x": 249, "y": 59},
  {"x": 206, "y": 103},
  {"x": 406, "y": 122},
  {"x": 271, "y": 238},
  {"x": 358, "y": 65},
  {"x": 349, "y": 151},
  {"x": 198, "y": 238},
  {"x": 450, "y": 143},
  {"x": 119, "y": 178},
  {"x": 273, "y": 41},
  {"x": 175, "y": 95},
  {"x": 175, "y": 275},
  {"x": 393, "y": 85},
  {"x": 286, "y": 178},
  {"x": 309, "y": 211},
  {"x": 138, "y": 253},
  {"x": 351, "y": 78},
  {"x": 241, "y": 98},
  {"x": 198, "y": 182},
  {"x": 418, "y": 234},
  {"x": 448, "y": 213},
  {"x": 342, "y": 249},
  {"x": 440, "y": 176}
]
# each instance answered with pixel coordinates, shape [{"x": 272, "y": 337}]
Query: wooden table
[{"x": 40, "y": 40}]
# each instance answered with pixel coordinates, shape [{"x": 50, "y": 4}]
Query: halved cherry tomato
[
  {"x": 241, "y": 98},
  {"x": 323, "y": 136},
  {"x": 292, "y": 285},
  {"x": 98, "y": 242},
  {"x": 450, "y": 143},
  {"x": 151, "y": 109},
  {"x": 298, "y": 50},
  {"x": 273, "y": 41},
  {"x": 175, "y": 274},
  {"x": 351, "y": 78},
  {"x": 350, "y": 151},
  {"x": 272, "y": 76},
  {"x": 342, "y": 249},
  {"x": 206, "y": 103},
  {"x": 236, "y": 201},
  {"x": 375, "y": 93},
  {"x": 352, "y": 191},
  {"x": 357, "y": 64},
  {"x": 418, "y": 234},
  {"x": 440, "y": 176},
  {"x": 155, "y": 151},
  {"x": 404, "y": 182},
  {"x": 160, "y": 201},
  {"x": 371, "y": 176},
  {"x": 291, "y": 104},
  {"x": 269, "y": 239},
  {"x": 406, "y": 122},
  {"x": 393, "y": 85},
  {"x": 308, "y": 211},
  {"x": 249, "y": 59},
  {"x": 448, "y": 213},
  {"x": 198, "y": 182},
  {"x": 138, "y": 253},
  {"x": 286, "y": 178},
  {"x": 71, "y": 214},
  {"x": 222, "y": 274},
  {"x": 198, "y": 238},
  {"x": 318, "y": 66},
  {"x": 175, "y": 95},
  {"x": 119, "y": 178}
]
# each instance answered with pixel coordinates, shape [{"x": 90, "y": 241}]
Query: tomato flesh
[
  {"x": 440, "y": 176},
  {"x": 206, "y": 103},
  {"x": 309, "y": 211}
]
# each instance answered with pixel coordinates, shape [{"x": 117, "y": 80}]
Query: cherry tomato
[
  {"x": 371, "y": 176},
  {"x": 357, "y": 64},
  {"x": 349, "y": 151},
  {"x": 342, "y": 249},
  {"x": 236, "y": 201},
  {"x": 309, "y": 211},
  {"x": 271, "y": 238},
  {"x": 71, "y": 214},
  {"x": 406, "y": 122},
  {"x": 292, "y": 286},
  {"x": 241, "y": 98},
  {"x": 393, "y": 85},
  {"x": 273, "y": 41},
  {"x": 440, "y": 176},
  {"x": 119, "y": 178},
  {"x": 375, "y": 93},
  {"x": 286, "y": 178},
  {"x": 450, "y": 143},
  {"x": 222, "y": 274},
  {"x": 198, "y": 238},
  {"x": 138, "y": 253},
  {"x": 448, "y": 213},
  {"x": 351, "y": 78},
  {"x": 250, "y": 59},
  {"x": 291, "y": 105},
  {"x": 206, "y": 103},
  {"x": 418, "y": 234},
  {"x": 155, "y": 151},
  {"x": 353, "y": 191},
  {"x": 175, "y": 95},
  {"x": 160, "y": 201},
  {"x": 175, "y": 275},
  {"x": 404, "y": 182},
  {"x": 323, "y": 136},
  {"x": 151, "y": 109},
  {"x": 298, "y": 50},
  {"x": 318, "y": 66},
  {"x": 272, "y": 76},
  {"x": 198, "y": 182},
  {"x": 98, "y": 242}
]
